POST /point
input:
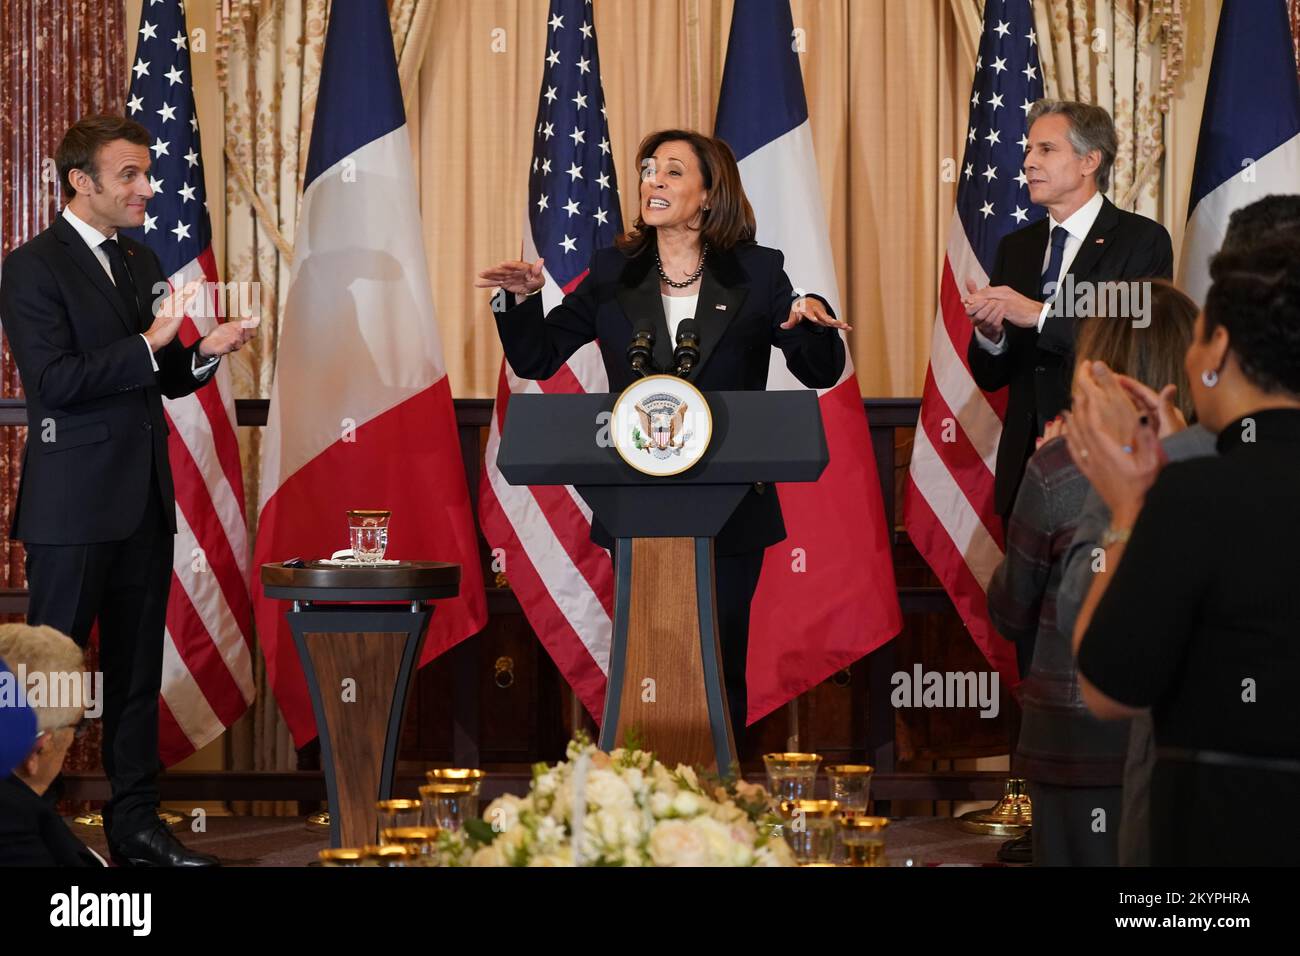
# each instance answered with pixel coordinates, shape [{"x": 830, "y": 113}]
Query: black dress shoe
[
  {"x": 156, "y": 846},
  {"x": 1019, "y": 850}
]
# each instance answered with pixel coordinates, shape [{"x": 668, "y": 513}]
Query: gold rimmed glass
[
  {"x": 810, "y": 829},
  {"x": 469, "y": 775},
  {"x": 850, "y": 784},
  {"x": 791, "y": 776},
  {"x": 386, "y": 855},
  {"x": 863, "y": 839},
  {"x": 422, "y": 842},
  {"x": 341, "y": 856},
  {"x": 447, "y": 805},
  {"x": 368, "y": 531},
  {"x": 396, "y": 813}
]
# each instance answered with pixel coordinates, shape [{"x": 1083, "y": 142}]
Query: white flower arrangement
[{"x": 626, "y": 809}]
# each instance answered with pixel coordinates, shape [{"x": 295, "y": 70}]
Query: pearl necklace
[{"x": 699, "y": 271}]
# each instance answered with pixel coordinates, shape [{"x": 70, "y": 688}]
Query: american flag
[
  {"x": 540, "y": 535},
  {"x": 207, "y": 663},
  {"x": 948, "y": 502}
]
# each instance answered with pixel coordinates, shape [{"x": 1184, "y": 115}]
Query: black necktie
[{"x": 122, "y": 278}]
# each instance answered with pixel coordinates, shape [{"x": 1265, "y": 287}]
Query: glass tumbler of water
[
  {"x": 369, "y": 533},
  {"x": 850, "y": 785}
]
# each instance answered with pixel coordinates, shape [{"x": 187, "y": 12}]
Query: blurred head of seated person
[
  {"x": 1253, "y": 223},
  {"x": 1194, "y": 613},
  {"x": 31, "y": 831},
  {"x": 1069, "y": 757}
]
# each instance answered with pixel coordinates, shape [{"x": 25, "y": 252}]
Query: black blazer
[
  {"x": 33, "y": 834},
  {"x": 96, "y": 434},
  {"x": 1038, "y": 366},
  {"x": 744, "y": 296}
]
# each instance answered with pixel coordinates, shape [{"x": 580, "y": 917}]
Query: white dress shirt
[
  {"x": 676, "y": 308},
  {"x": 1076, "y": 226},
  {"x": 95, "y": 240}
]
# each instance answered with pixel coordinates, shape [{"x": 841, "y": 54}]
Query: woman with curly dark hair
[{"x": 1194, "y": 609}]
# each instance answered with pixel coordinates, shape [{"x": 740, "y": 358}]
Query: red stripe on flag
[
  {"x": 420, "y": 477},
  {"x": 202, "y": 658},
  {"x": 957, "y": 324},
  {"x": 574, "y": 534},
  {"x": 194, "y": 498},
  {"x": 936, "y": 547},
  {"x": 843, "y": 604},
  {"x": 959, "y": 456},
  {"x": 209, "y": 399},
  {"x": 173, "y": 743},
  {"x": 567, "y": 521},
  {"x": 544, "y": 615}
]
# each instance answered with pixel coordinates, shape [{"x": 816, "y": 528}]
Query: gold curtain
[{"x": 1126, "y": 56}]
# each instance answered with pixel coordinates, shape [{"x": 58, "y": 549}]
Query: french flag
[
  {"x": 826, "y": 597},
  {"x": 1249, "y": 145},
  {"x": 361, "y": 412}
]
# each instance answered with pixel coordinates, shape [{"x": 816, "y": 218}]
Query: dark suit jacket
[
  {"x": 735, "y": 344},
  {"x": 1038, "y": 366},
  {"x": 96, "y": 435},
  {"x": 33, "y": 834}
]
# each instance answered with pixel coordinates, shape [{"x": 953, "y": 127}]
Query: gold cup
[
  {"x": 850, "y": 784},
  {"x": 422, "y": 842},
  {"x": 386, "y": 855},
  {"x": 396, "y": 813},
  {"x": 471, "y": 776},
  {"x": 863, "y": 839},
  {"x": 341, "y": 856},
  {"x": 810, "y": 829},
  {"x": 448, "y": 805},
  {"x": 791, "y": 776}
]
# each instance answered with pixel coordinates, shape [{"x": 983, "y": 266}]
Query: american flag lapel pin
[
  {"x": 1100, "y": 241},
  {"x": 720, "y": 307}
]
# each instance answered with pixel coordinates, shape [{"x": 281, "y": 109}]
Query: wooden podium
[
  {"x": 665, "y": 667},
  {"x": 359, "y": 660}
]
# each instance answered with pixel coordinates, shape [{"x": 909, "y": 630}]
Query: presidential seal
[{"x": 661, "y": 425}]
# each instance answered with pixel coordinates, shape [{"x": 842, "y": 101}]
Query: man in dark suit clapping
[
  {"x": 96, "y": 508},
  {"x": 1024, "y": 332}
]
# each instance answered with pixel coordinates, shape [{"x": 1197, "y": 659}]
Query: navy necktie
[
  {"x": 1052, "y": 276},
  {"x": 122, "y": 278}
]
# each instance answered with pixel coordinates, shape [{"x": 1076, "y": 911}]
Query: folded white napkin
[{"x": 344, "y": 559}]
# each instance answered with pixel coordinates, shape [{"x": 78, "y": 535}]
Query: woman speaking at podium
[{"x": 690, "y": 253}]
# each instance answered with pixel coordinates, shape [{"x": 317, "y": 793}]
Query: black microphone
[
  {"x": 640, "y": 354},
  {"x": 687, "y": 352}
]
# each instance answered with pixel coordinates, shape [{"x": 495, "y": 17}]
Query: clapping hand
[
  {"x": 1112, "y": 442},
  {"x": 992, "y": 306}
]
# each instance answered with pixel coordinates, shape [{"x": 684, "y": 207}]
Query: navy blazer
[
  {"x": 1039, "y": 366},
  {"x": 744, "y": 297},
  {"x": 96, "y": 436}
]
